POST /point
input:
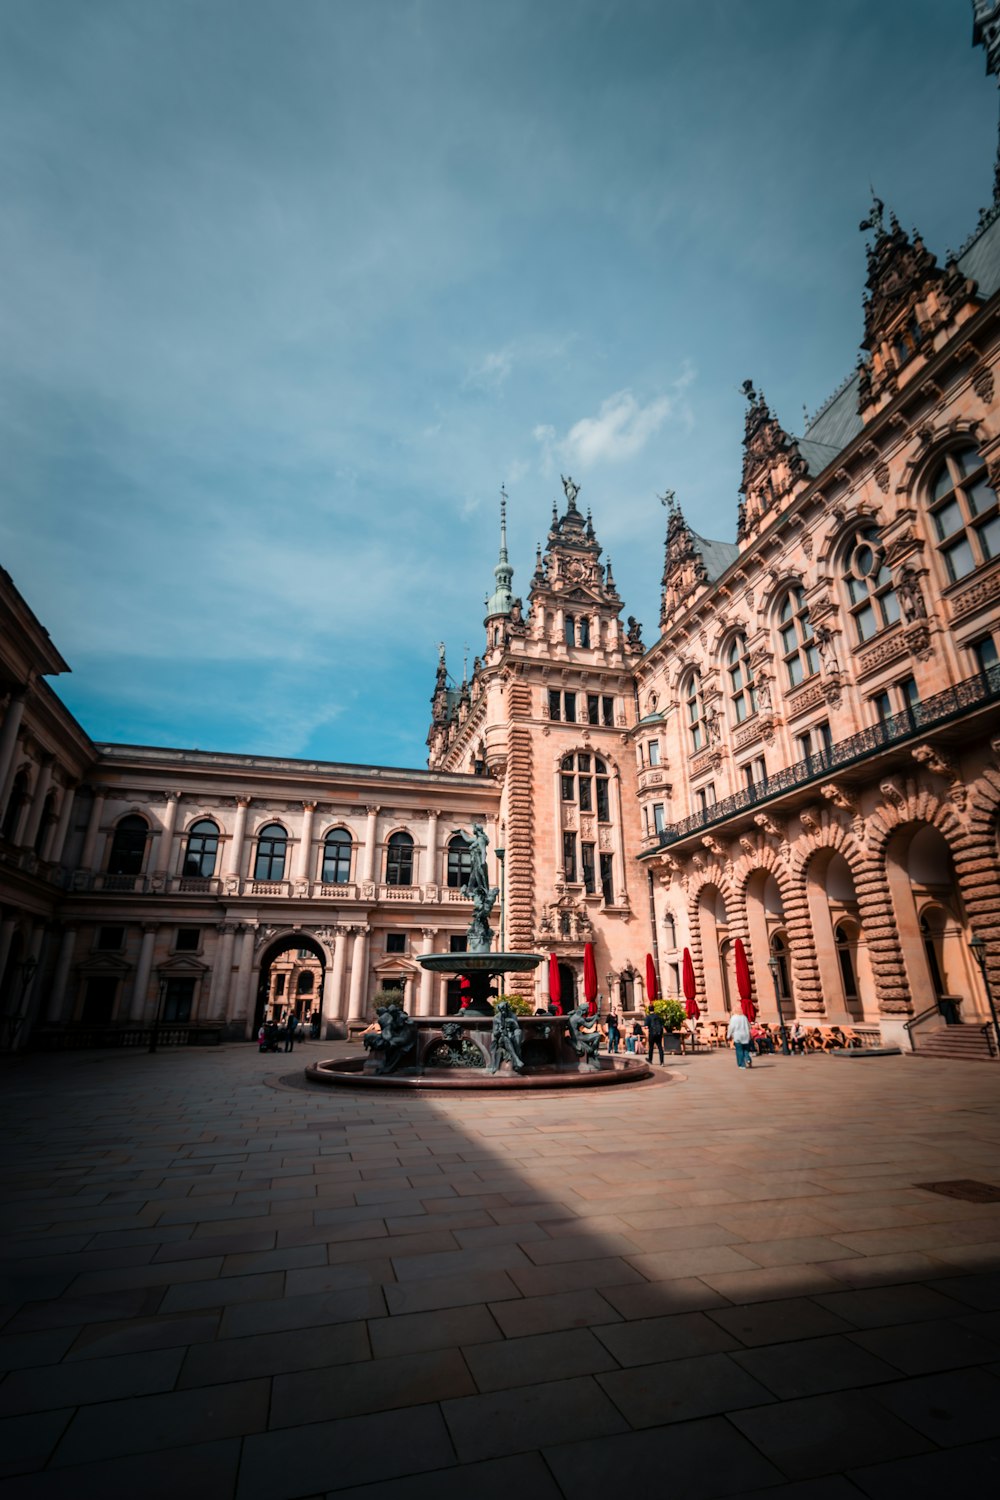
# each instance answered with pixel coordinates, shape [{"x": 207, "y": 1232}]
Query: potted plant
[{"x": 673, "y": 1015}]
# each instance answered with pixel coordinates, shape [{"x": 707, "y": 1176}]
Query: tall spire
[{"x": 502, "y": 598}]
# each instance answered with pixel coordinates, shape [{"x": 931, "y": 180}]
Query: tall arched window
[
  {"x": 669, "y": 931},
  {"x": 742, "y": 693},
  {"x": 846, "y": 943},
  {"x": 869, "y": 587},
  {"x": 202, "y": 849},
  {"x": 272, "y": 844},
  {"x": 459, "y": 860},
  {"x": 694, "y": 712},
  {"x": 128, "y": 847},
  {"x": 964, "y": 513},
  {"x": 798, "y": 645},
  {"x": 337, "y": 847},
  {"x": 399, "y": 860}
]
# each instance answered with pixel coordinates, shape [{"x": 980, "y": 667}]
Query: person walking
[
  {"x": 738, "y": 1032},
  {"x": 290, "y": 1026},
  {"x": 654, "y": 1034}
]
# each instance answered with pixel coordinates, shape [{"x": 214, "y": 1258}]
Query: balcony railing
[{"x": 928, "y": 713}]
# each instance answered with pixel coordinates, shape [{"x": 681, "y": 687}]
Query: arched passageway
[{"x": 290, "y": 979}]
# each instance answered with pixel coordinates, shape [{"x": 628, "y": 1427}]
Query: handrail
[
  {"x": 914, "y": 1021},
  {"x": 989, "y": 1032},
  {"x": 954, "y": 703}
]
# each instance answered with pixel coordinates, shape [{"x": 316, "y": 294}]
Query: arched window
[
  {"x": 869, "y": 587},
  {"x": 459, "y": 861},
  {"x": 15, "y": 802},
  {"x": 569, "y": 629},
  {"x": 272, "y": 842},
  {"x": 337, "y": 847},
  {"x": 964, "y": 513},
  {"x": 669, "y": 931},
  {"x": 128, "y": 847},
  {"x": 742, "y": 693},
  {"x": 779, "y": 951},
  {"x": 846, "y": 944},
  {"x": 399, "y": 860},
  {"x": 694, "y": 712},
  {"x": 202, "y": 849},
  {"x": 798, "y": 645}
]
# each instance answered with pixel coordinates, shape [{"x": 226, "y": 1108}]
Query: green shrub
[
  {"x": 672, "y": 1013},
  {"x": 518, "y": 1004}
]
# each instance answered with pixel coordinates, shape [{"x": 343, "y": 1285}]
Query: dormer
[{"x": 773, "y": 467}]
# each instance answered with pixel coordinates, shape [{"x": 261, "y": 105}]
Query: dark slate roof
[
  {"x": 837, "y": 422},
  {"x": 717, "y": 556}
]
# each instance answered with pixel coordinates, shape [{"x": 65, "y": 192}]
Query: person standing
[
  {"x": 738, "y": 1032},
  {"x": 290, "y": 1026},
  {"x": 614, "y": 1032},
  {"x": 654, "y": 1034}
]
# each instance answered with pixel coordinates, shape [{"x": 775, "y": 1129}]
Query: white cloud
[{"x": 621, "y": 429}]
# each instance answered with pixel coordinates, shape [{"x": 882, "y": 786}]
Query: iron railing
[{"x": 942, "y": 708}]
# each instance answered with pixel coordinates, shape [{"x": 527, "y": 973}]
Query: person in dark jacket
[
  {"x": 290, "y": 1027},
  {"x": 654, "y": 1034}
]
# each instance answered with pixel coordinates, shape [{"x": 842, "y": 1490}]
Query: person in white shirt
[{"x": 738, "y": 1032}]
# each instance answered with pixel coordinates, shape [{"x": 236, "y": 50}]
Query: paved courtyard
[{"x": 222, "y": 1284}]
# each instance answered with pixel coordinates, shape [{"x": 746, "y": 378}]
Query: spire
[{"x": 502, "y": 598}]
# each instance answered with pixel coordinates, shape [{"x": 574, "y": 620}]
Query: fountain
[{"x": 484, "y": 1046}]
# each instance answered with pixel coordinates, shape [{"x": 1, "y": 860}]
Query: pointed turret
[
  {"x": 772, "y": 464},
  {"x": 502, "y": 598},
  {"x": 690, "y": 561},
  {"x": 575, "y": 601}
]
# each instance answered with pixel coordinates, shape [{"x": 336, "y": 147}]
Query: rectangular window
[
  {"x": 882, "y": 704},
  {"x": 659, "y": 821},
  {"x": 585, "y": 803},
  {"x": 608, "y": 711},
  {"x": 603, "y": 815},
  {"x": 569, "y": 632},
  {"x": 569, "y": 707},
  {"x": 178, "y": 998},
  {"x": 279, "y": 984},
  {"x": 607, "y": 884},
  {"x": 654, "y": 752},
  {"x": 458, "y": 944},
  {"x": 99, "y": 999},
  {"x": 593, "y": 709},
  {"x": 587, "y": 860},
  {"x": 395, "y": 942},
  {"x": 985, "y": 652},
  {"x": 110, "y": 939},
  {"x": 569, "y": 858},
  {"x": 584, "y": 631},
  {"x": 824, "y": 739},
  {"x": 567, "y": 788},
  {"x": 188, "y": 940},
  {"x": 554, "y": 703},
  {"x": 908, "y": 692},
  {"x": 804, "y": 742}
]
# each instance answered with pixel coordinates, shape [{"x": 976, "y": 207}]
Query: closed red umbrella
[
  {"x": 743, "y": 984},
  {"x": 555, "y": 989},
  {"x": 652, "y": 985},
  {"x": 589, "y": 977},
  {"x": 691, "y": 1006}
]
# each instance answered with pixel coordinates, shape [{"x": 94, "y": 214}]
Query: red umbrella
[
  {"x": 691, "y": 1006},
  {"x": 555, "y": 989},
  {"x": 743, "y": 981},
  {"x": 589, "y": 977},
  {"x": 652, "y": 987}
]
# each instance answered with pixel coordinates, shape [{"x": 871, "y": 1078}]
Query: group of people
[
  {"x": 643, "y": 1034},
  {"x": 750, "y": 1038}
]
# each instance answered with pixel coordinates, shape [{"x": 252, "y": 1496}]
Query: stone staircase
[{"x": 965, "y": 1043}]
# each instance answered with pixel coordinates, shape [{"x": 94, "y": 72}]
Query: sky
[{"x": 290, "y": 290}]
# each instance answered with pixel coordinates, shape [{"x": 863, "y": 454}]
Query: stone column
[
  {"x": 93, "y": 827},
  {"x": 56, "y": 1012},
  {"x": 161, "y": 862},
  {"x": 425, "y": 999},
  {"x": 34, "y": 819},
  {"x": 241, "y": 998},
  {"x": 59, "y": 832},
  {"x": 431, "y": 873},
  {"x": 234, "y": 865},
  {"x": 619, "y": 886},
  {"x": 17, "y": 835},
  {"x": 222, "y": 971},
  {"x": 333, "y": 1006},
  {"x": 304, "y": 870},
  {"x": 368, "y": 862},
  {"x": 359, "y": 975},
  {"x": 8, "y": 738},
  {"x": 144, "y": 968}
]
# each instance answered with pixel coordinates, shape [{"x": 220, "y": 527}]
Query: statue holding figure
[
  {"x": 395, "y": 1037},
  {"x": 584, "y": 1033},
  {"x": 507, "y": 1038},
  {"x": 478, "y": 890}
]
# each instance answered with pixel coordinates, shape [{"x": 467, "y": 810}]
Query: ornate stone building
[{"x": 807, "y": 759}]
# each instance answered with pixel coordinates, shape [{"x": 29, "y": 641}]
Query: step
[{"x": 965, "y": 1043}]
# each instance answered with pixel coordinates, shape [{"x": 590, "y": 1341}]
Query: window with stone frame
[
  {"x": 795, "y": 633},
  {"x": 871, "y": 596},
  {"x": 399, "y": 859},
  {"x": 338, "y": 847},
  {"x": 742, "y": 692},
  {"x": 272, "y": 846},
  {"x": 128, "y": 846},
  {"x": 202, "y": 849},
  {"x": 459, "y": 861},
  {"x": 583, "y": 779},
  {"x": 964, "y": 513},
  {"x": 694, "y": 712}
]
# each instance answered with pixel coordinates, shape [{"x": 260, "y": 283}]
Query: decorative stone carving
[
  {"x": 882, "y": 477},
  {"x": 713, "y": 845},
  {"x": 839, "y": 797},
  {"x": 890, "y": 649},
  {"x": 747, "y": 844},
  {"x": 918, "y": 640},
  {"x": 910, "y": 594},
  {"x": 984, "y": 591},
  {"x": 809, "y": 817},
  {"x": 765, "y": 822},
  {"x": 892, "y": 793},
  {"x": 982, "y": 383}
]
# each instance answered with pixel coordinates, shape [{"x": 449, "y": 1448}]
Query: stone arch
[
  {"x": 759, "y": 855},
  {"x": 932, "y": 444},
  {"x": 844, "y": 519},
  {"x": 816, "y": 858},
  {"x": 977, "y": 862},
  {"x": 706, "y": 938}
]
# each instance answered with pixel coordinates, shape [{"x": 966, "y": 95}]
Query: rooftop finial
[
  {"x": 503, "y": 524},
  {"x": 875, "y": 219},
  {"x": 571, "y": 490}
]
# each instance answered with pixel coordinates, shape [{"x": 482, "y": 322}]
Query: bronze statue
[
  {"x": 478, "y": 890},
  {"x": 507, "y": 1038},
  {"x": 584, "y": 1033},
  {"x": 395, "y": 1037}
]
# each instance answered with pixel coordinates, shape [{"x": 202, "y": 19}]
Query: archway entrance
[
  {"x": 933, "y": 928},
  {"x": 291, "y": 979},
  {"x": 713, "y": 923},
  {"x": 848, "y": 985},
  {"x": 567, "y": 988}
]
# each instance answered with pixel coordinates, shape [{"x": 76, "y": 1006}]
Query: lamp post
[
  {"x": 775, "y": 969},
  {"x": 500, "y": 853},
  {"x": 978, "y": 947}
]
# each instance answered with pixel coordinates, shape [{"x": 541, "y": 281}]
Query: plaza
[{"x": 223, "y": 1283}]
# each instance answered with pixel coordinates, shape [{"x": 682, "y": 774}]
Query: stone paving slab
[{"x": 224, "y": 1283}]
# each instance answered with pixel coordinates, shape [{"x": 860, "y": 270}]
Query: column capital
[
  {"x": 148, "y": 927},
  {"x": 172, "y": 796},
  {"x": 433, "y": 812},
  {"x": 429, "y": 932},
  {"x": 309, "y": 806},
  {"x": 373, "y": 811},
  {"x": 242, "y": 799},
  {"x": 226, "y": 928}
]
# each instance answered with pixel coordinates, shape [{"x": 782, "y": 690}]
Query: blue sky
[{"x": 291, "y": 289}]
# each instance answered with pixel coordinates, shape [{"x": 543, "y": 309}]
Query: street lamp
[
  {"x": 978, "y": 947},
  {"x": 500, "y": 853},
  {"x": 775, "y": 969}
]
